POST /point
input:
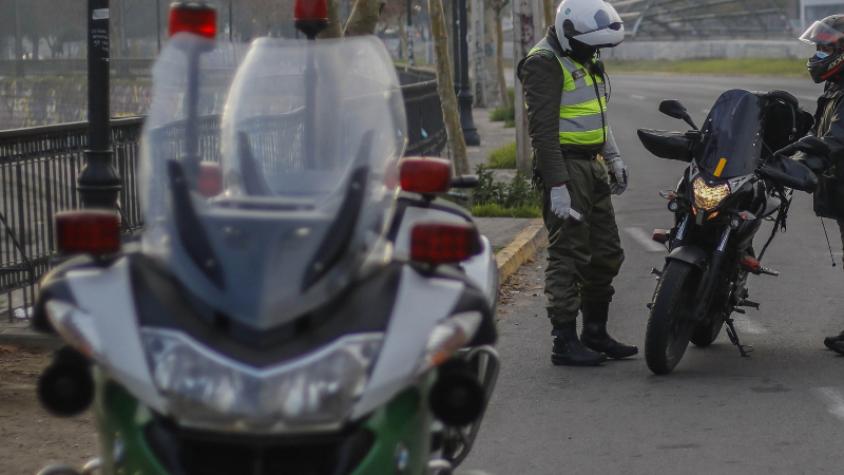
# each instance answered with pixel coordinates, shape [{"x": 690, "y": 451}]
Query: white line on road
[
  {"x": 644, "y": 239},
  {"x": 746, "y": 325},
  {"x": 638, "y": 97},
  {"x": 833, "y": 399}
]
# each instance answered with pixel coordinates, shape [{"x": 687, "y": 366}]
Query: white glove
[
  {"x": 561, "y": 201},
  {"x": 618, "y": 175}
]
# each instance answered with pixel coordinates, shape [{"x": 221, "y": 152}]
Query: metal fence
[{"x": 39, "y": 166}]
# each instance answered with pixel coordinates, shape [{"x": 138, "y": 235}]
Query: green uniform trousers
[{"x": 583, "y": 257}]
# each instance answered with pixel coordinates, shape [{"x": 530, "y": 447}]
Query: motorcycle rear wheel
[{"x": 670, "y": 323}]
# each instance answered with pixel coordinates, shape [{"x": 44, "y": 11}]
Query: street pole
[
  {"x": 231, "y": 21},
  {"x": 158, "y": 23},
  {"x": 411, "y": 61},
  {"x": 18, "y": 41},
  {"x": 461, "y": 73},
  {"x": 98, "y": 183}
]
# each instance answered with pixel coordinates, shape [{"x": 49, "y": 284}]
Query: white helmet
[{"x": 594, "y": 23}]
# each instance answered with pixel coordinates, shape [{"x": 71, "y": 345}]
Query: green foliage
[
  {"x": 503, "y": 157},
  {"x": 725, "y": 67},
  {"x": 505, "y": 114},
  {"x": 517, "y": 199}
]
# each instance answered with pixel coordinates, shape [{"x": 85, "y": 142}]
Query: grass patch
[
  {"x": 495, "y": 210},
  {"x": 503, "y": 157},
  {"x": 505, "y": 114},
  {"x": 787, "y": 67}
]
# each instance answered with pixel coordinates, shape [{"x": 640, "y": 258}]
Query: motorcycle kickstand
[{"x": 744, "y": 350}]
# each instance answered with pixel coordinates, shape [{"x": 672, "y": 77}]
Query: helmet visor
[{"x": 821, "y": 34}]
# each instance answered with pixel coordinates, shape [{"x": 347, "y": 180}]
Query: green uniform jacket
[{"x": 542, "y": 78}]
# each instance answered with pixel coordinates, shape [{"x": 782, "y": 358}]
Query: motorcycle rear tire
[
  {"x": 705, "y": 333},
  {"x": 670, "y": 324}
]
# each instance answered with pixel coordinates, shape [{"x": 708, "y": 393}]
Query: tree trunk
[
  {"x": 363, "y": 18},
  {"x": 499, "y": 61},
  {"x": 550, "y": 12},
  {"x": 403, "y": 51},
  {"x": 334, "y": 29},
  {"x": 445, "y": 87}
]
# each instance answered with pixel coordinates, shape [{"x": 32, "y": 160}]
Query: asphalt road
[{"x": 780, "y": 411}]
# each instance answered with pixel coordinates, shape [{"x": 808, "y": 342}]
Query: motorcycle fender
[
  {"x": 422, "y": 302},
  {"x": 691, "y": 255}
]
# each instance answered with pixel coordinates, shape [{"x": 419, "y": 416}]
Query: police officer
[
  {"x": 566, "y": 100},
  {"x": 827, "y": 65}
]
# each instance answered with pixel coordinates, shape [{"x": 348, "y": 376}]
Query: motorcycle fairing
[{"x": 162, "y": 302}]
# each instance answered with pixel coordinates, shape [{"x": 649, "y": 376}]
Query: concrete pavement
[{"x": 780, "y": 411}]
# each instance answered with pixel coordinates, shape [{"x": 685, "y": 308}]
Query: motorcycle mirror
[{"x": 675, "y": 109}]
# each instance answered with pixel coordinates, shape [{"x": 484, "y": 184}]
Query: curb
[{"x": 523, "y": 247}]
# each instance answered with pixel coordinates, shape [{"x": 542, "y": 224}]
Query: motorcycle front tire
[
  {"x": 706, "y": 332},
  {"x": 670, "y": 323}
]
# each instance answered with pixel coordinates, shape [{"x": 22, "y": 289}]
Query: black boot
[
  {"x": 568, "y": 351},
  {"x": 835, "y": 343},
  {"x": 595, "y": 335}
]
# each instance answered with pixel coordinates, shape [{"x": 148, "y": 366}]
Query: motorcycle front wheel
[
  {"x": 670, "y": 324},
  {"x": 706, "y": 332}
]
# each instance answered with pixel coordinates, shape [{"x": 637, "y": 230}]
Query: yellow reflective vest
[{"x": 583, "y": 106}]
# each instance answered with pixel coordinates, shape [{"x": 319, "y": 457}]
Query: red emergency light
[
  {"x": 444, "y": 243},
  {"x": 193, "y": 17},
  {"x": 310, "y": 16},
  {"x": 425, "y": 175},
  {"x": 95, "y": 232}
]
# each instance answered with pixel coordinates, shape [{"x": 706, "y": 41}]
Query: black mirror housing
[{"x": 673, "y": 108}]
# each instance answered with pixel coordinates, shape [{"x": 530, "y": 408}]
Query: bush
[
  {"x": 503, "y": 157},
  {"x": 505, "y": 114},
  {"x": 517, "y": 199}
]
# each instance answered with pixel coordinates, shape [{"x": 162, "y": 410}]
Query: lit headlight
[
  {"x": 209, "y": 390},
  {"x": 709, "y": 197}
]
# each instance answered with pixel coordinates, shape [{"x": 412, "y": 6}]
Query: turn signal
[
  {"x": 193, "y": 17},
  {"x": 425, "y": 175},
  {"x": 444, "y": 243},
  {"x": 660, "y": 235},
  {"x": 210, "y": 182},
  {"x": 94, "y": 232}
]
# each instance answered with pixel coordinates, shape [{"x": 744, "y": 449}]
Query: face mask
[{"x": 821, "y": 55}]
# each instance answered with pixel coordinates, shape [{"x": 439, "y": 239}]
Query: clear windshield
[
  {"x": 264, "y": 169},
  {"x": 732, "y": 139}
]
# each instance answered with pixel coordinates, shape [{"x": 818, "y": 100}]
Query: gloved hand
[
  {"x": 561, "y": 201},
  {"x": 618, "y": 175}
]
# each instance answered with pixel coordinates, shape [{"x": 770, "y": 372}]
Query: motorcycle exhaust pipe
[
  {"x": 66, "y": 387},
  {"x": 457, "y": 399}
]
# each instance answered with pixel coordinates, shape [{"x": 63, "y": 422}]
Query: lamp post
[
  {"x": 158, "y": 23},
  {"x": 411, "y": 60},
  {"x": 461, "y": 73},
  {"x": 98, "y": 183}
]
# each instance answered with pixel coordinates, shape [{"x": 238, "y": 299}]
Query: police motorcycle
[
  {"x": 738, "y": 176},
  {"x": 295, "y": 303}
]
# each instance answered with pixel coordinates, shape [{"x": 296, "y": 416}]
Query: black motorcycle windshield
[{"x": 732, "y": 138}]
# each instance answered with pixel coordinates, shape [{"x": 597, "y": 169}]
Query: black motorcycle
[{"x": 739, "y": 174}]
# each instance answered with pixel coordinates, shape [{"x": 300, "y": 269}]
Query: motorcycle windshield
[
  {"x": 265, "y": 169},
  {"x": 732, "y": 136}
]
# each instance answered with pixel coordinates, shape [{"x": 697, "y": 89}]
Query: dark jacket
[
  {"x": 542, "y": 80},
  {"x": 829, "y": 126}
]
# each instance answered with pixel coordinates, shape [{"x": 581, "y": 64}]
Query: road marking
[
  {"x": 638, "y": 97},
  {"x": 833, "y": 399},
  {"x": 644, "y": 239},
  {"x": 746, "y": 325}
]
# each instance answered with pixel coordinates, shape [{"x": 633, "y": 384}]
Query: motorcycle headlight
[
  {"x": 709, "y": 197},
  {"x": 206, "y": 389}
]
